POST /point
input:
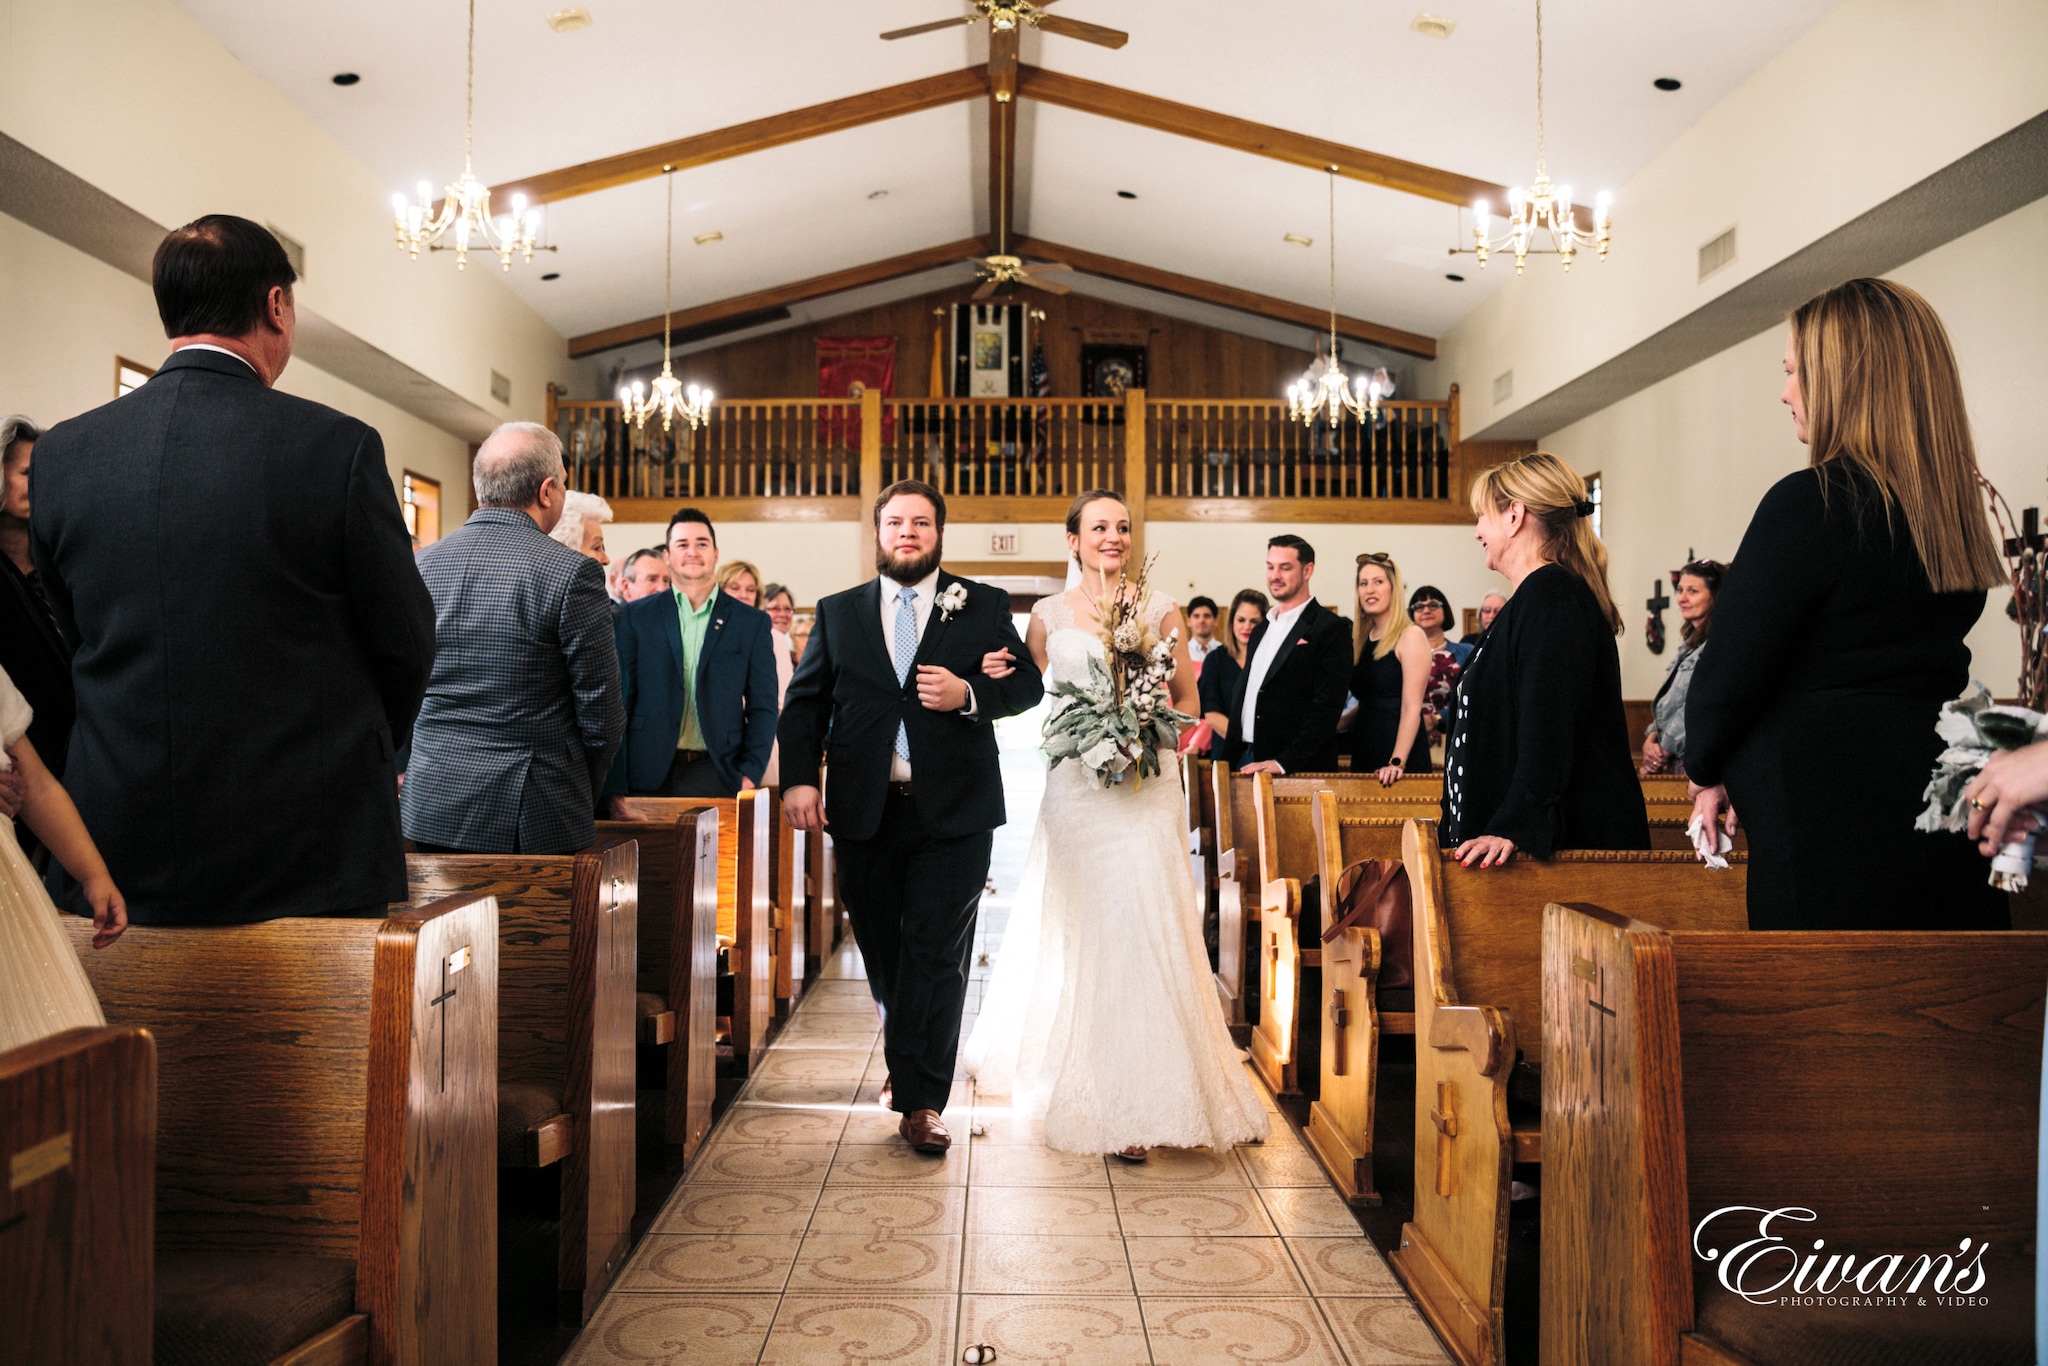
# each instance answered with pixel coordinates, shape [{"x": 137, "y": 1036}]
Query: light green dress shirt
[{"x": 695, "y": 622}]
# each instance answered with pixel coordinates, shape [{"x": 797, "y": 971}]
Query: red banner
[{"x": 849, "y": 367}]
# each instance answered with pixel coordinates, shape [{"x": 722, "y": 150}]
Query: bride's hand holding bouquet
[
  {"x": 1116, "y": 723},
  {"x": 1991, "y": 781}
]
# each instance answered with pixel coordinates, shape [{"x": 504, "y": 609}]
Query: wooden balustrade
[
  {"x": 1005, "y": 447},
  {"x": 1250, "y": 448}
]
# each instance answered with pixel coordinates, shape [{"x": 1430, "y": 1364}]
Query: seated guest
[
  {"x": 1489, "y": 608},
  {"x": 1431, "y": 612},
  {"x": 781, "y": 609},
  {"x": 1388, "y": 678},
  {"x": 33, "y": 650},
  {"x": 581, "y": 527},
  {"x": 1539, "y": 756},
  {"x": 741, "y": 580},
  {"x": 1838, "y": 632},
  {"x": 523, "y": 712},
  {"x": 1284, "y": 714},
  {"x": 280, "y": 604},
  {"x": 642, "y": 576},
  {"x": 1217, "y": 684},
  {"x": 1664, "y": 741},
  {"x": 1201, "y": 630},
  {"x": 706, "y": 728}
]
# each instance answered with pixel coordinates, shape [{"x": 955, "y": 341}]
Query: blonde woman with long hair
[
  {"x": 1838, "y": 632},
  {"x": 1389, "y": 677},
  {"x": 1539, "y": 755}
]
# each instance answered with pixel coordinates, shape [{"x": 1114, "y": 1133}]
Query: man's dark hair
[
  {"x": 1209, "y": 603},
  {"x": 1294, "y": 543},
  {"x": 918, "y": 487},
  {"x": 215, "y": 274},
  {"x": 690, "y": 515}
]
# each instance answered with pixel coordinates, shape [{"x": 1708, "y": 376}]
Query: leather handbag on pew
[{"x": 1373, "y": 894}]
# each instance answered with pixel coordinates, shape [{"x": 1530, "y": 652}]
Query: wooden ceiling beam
[
  {"x": 781, "y": 296},
  {"x": 835, "y": 116},
  {"x": 1225, "y": 296}
]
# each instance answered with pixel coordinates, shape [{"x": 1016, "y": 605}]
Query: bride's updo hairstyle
[{"x": 1554, "y": 496}]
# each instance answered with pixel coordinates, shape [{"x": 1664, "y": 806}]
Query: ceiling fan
[
  {"x": 1001, "y": 268},
  {"x": 1005, "y": 15}
]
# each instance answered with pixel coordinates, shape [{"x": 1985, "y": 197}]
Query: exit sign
[{"x": 1002, "y": 543}]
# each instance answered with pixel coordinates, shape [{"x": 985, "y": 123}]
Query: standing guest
[
  {"x": 1431, "y": 612},
  {"x": 1838, "y": 632},
  {"x": 1286, "y": 706},
  {"x": 1489, "y": 608},
  {"x": 523, "y": 713},
  {"x": 741, "y": 580},
  {"x": 1201, "y": 631},
  {"x": 1664, "y": 740},
  {"x": 898, "y": 682},
  {"x": 781, "y": 609},
  {"x": 699, "y": 674},
  {"x": 1217, "y": 687},
  {"x": 1389, "y": 677},
  {"x": 241, "y": 698},
  {"x": 1539, "y": 757},
  {"x": 642, "y": 576},
  {"x": 581, "y": 527},
  {"x": 33, "y": 650}
]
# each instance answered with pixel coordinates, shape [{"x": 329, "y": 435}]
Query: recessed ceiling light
[
  {"x": 1125, "y": 194},
  {"x": 878, "y": 194},
  {"x": 569, "y": 20},
  {"x": 1298, "y": 240},
  {"x": 552, "y": 275},
  {"x": 1432, "y": 25},
  {"x": 1454, "y": 278},
  {"x": 346, "y": 78},
  {"x": 1666, "y": 83},
  {"x": 705, "y": 238}
]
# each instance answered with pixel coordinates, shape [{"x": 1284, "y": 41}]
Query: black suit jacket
[
  {"x": 847, "y": 684},
  {"x": 1301, "y": 698},
  {"x": 37, "y": 657},
  {"x": 735, "y": 690},
  {"x": 253, "y": 640}
]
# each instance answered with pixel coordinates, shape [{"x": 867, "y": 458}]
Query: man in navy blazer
[{"x": 699, "y": 674}]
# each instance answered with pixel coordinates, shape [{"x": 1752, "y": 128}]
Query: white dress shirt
[
  {"x": 1199, "y": 650},
  {"x": 1277, "y": 628},
  {"x": 927, "y": 589},
  {"x": 209, "y": 346}
]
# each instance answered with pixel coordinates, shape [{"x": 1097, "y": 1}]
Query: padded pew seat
[{"x": 246, "y": 1311}]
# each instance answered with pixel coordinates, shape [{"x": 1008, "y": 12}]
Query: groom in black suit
[{"x": 893, "y": 674}]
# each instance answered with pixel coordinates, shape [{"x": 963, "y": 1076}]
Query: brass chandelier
[
  {"x": 465, "y": 210},
  {"x": 666, "y": 395},
  {"x": 1540, "y": 207},
  {"x": 1328, "y": 398}
]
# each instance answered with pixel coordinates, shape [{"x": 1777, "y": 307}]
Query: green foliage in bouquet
[{"x": 1112, "y": 740}]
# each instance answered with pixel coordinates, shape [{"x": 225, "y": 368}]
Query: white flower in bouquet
[
  {"x": 1974, "y": 728},
  {"x": 1129, "y": 637}
]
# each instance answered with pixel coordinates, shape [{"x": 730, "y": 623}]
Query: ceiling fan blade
[
  {"x": 1046, "y": 285},
  {"x": 988, "y": 287},
  {"x": 1042, "y": 266},
  {"x": 894, "y": 34},
  {"x": 1087, "y": 33}
]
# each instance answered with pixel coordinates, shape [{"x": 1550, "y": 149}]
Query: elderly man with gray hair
[{"x": 524, "y": 710}]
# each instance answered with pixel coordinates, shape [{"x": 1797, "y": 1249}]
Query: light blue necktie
[{"x": 906, "y": 651}]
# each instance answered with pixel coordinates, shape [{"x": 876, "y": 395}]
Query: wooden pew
[
  {"x": 1198, "y": 802},
  {"x": 787, "y": 853},
  {"x": 745, "y": 875},
  {"x": 567, "y": 961},
  {"x": 1478, "y": 1001},
  {"x": 678, "y": 957},
  {"x": 827, "y": 924},
  {"x": 1885, "y": 1086},
  {"x": 326, "y": 1133},
  {"x": 78, "y": 1212}
]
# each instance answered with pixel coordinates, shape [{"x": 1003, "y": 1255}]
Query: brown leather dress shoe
[
  {"x": 925, "y": 1131},
  {"x": 887, "y": 1100}
]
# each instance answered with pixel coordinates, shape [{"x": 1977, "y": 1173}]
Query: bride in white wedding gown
[{"x": 1101, "y": 1015}]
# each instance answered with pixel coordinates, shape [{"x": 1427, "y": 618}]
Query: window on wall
[
  {"x": 1594, "y": 495},
  {"x": 129, "y": 376},
  {"x": 421, "y": 499}
]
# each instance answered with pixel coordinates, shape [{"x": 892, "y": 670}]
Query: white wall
[
  {"x": 1686, "y": 460},
  {"x": 69, "y": 315}
]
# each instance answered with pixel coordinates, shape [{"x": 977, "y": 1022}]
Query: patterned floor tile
[
  {"x": 756, "y": 1124},
  {"x": 1310, "y": 1212},
  {"x": 1040, "y": 1210},
  {"x": 889, "y": 1211},
  {"x": 768, "y": 1091},
  {"x": 783, "y": 1211},
  {"x": 1217, "y": 1211},
  {"x": 1343, "y": 1266},
  {"x": 1019, "y": 1165},
  {"x": 1238, "y": 1333},
  {"x": 812, "y": 1064},
  {"x": 1007, "y": 1264},
  {"x": 775, "y": 1164},
  {"x": 719, "y": 1264},
  {"x": 999, "y": 1126},
  {"x": 1218, "y": 1266},
  {"x": 1180, "y": 1167},
  {"x": 840, "y": 1003},
  {"x": 895, "y": 1164},
  {"x": 726, "y": 1330},
  {"x": 1383, "y": 1332},
  {"x": 870, "y": 1124},
  {"x": 864, "y": 1264},
  {"x": 1056, "y": 1330},
  {"x": 862, "y": 1330},
  {"x": 1277, "y": 1163}
]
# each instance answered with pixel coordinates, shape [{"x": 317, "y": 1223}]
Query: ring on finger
[{"x": 1979, "y": 802}]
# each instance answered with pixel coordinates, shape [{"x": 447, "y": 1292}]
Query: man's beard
[{"x": 908, "y": 571}]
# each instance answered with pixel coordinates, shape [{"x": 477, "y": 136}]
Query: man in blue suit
[{"x": 699, "y": 672}]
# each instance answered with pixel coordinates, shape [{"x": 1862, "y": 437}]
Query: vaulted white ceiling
[{"x": 649, "y": 71}]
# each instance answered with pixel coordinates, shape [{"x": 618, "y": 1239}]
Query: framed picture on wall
[{"x": 1109, "y": 368}]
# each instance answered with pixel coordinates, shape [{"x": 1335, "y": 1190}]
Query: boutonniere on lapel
[{"x": 952, "y": 600}]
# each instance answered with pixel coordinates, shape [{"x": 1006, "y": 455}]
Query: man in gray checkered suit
[{"x": 524, "y": 711}]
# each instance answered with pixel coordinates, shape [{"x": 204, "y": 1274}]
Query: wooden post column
[
  {"x": 870, "y": 479},
  {"x": 1134, "y": 469}
]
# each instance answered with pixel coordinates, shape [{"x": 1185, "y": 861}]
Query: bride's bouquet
[
  {"x": 1116, "y": 722},
  {"x": 1975, "y": 729}
]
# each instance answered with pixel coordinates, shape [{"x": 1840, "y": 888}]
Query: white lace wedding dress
[{"x": 1101, "y": 1014}]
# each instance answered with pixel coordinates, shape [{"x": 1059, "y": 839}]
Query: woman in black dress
[
  {"x": 1217, "y": 683},
  {"x": 1839, "y": 632},
  {"x": 1389, "y": 678},
  {"x": 1539, "y": 756}
]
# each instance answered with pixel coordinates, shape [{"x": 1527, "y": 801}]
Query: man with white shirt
[
  {"x": 1284, "y": 719},
  {"x": 892, "y": 677},
  {"x": 1201, "y": 629},
  {"x": 253, "y": 637}
]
